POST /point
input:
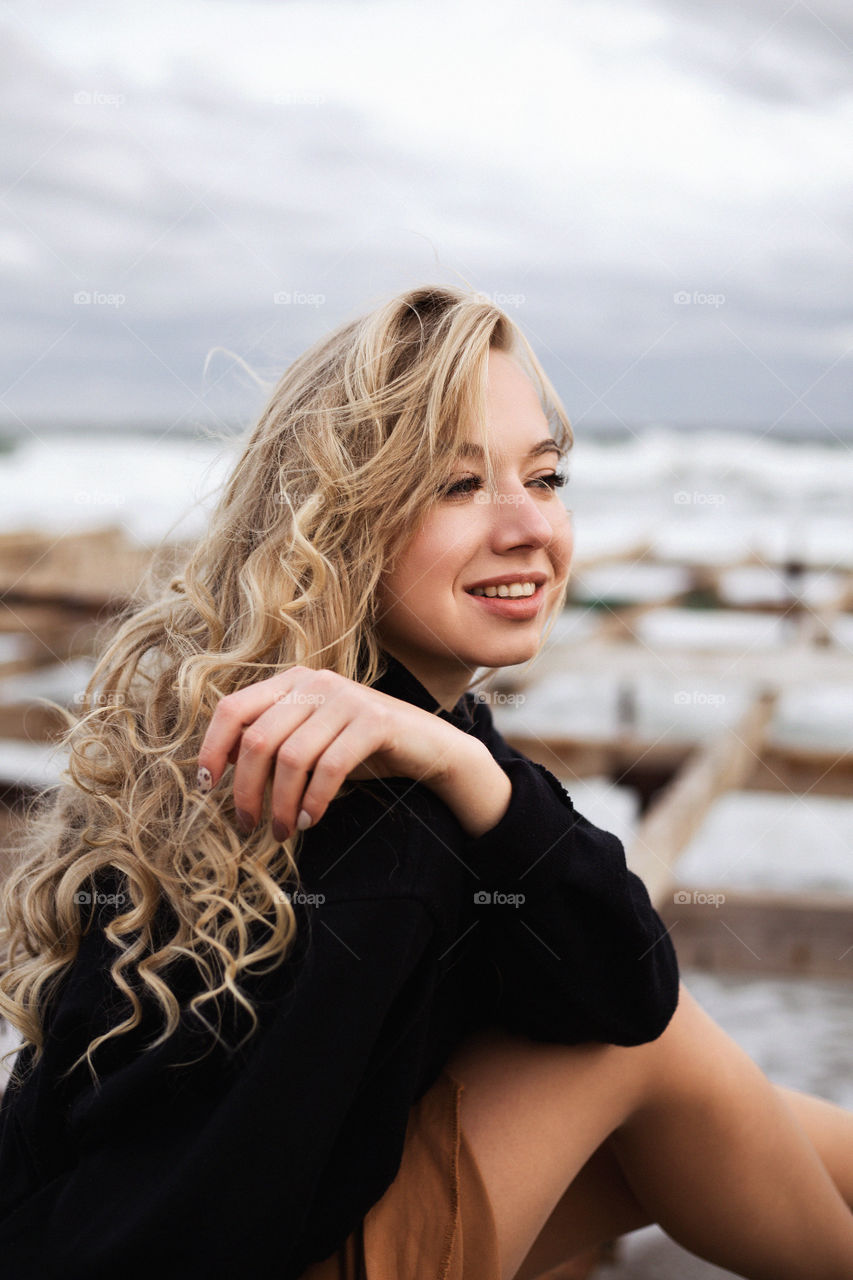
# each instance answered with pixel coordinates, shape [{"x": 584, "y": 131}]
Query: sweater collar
[{"x": 399, "y": 682}]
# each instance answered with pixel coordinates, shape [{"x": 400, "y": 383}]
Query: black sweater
[{"x": 264, "y": 1160}]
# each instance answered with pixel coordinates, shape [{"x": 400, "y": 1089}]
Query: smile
[
  {"x": 511, "y": 590},
  {"x": 515, "y": 600}
]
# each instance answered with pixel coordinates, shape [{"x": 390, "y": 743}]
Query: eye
[
  {"x": 555, "y": 480},
  {"x": 468, "y": 484}
]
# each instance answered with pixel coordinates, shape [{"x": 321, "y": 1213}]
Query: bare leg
[
  {"x": 830, "y": 1131},
  {"x": 600, "y": 1205},
  {"x": 735, "y": 1178},
  {"x": 705, "y": 1144}
]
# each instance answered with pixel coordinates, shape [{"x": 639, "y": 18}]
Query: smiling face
[{"x": 428, "y": 618}]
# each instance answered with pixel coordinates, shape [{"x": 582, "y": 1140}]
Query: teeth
[{"x": 508, "y": 590}]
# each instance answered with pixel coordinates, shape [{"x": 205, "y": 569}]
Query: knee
[{"x": 692, "y": 1056}]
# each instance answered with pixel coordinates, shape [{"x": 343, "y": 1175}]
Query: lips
[
  {"x": 511, "y": 608},
  {"x": 504, "y": 579}
]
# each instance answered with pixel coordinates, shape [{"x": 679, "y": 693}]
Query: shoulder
[{"x": 386, "y": 838}]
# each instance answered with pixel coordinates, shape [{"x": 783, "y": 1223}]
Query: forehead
[{"x": 515, "y": 424}]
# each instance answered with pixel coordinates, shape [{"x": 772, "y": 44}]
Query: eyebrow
[{"x": 549, "y": 445}]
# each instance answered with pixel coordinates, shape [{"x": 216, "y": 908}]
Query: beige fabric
[{"x": 435, "y": 1221}]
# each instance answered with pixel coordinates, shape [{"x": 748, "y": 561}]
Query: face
[{"x": 429, "y": 619}]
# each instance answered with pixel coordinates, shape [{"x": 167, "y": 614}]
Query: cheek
[
  {"x": 415, "y": 574},
  {"x": 436, "y": 556},
  {"x": 563, "y": 543}
]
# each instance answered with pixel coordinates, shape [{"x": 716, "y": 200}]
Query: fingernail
[
  {"x": 279, "y": 830},
  {"x": 245, "y": 821},
  {"x": 304, "y": 820},
  {"x": 205, "y": 780}
]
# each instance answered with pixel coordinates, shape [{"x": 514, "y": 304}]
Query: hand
[{"x": 302, "y": 722}]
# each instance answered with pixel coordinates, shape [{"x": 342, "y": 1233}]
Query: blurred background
[{"x": 658, "y": 193}]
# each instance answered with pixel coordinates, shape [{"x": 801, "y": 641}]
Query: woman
[{"x": 380, "y": 1002}]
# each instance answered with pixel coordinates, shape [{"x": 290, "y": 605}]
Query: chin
[{"x": 508, "y": 655}]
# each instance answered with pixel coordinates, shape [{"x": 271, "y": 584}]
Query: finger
[
  {"x": 343, "y": 752},
  {"x": 234, "y": 712},
  {"x": 297, "y": 758},
  {"x": 256, "y": 757}
]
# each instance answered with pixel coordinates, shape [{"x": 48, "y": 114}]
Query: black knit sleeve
[
  {"x": 581, "y": 952},
  {"x": 211, "y": 1168}
]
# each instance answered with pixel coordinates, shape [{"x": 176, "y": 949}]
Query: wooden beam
[
  {"x": 780, "y": 767},
  {"x": 802, "y": 770},
  {"x": 804, "y": 933},
  {"x": 577, "y": 756},
  {"x": 680, "y": 808},
  {"x": 29, "y": 722},
  {"x": 23, "y": 615},
  {"x": 92, "y": 567}
]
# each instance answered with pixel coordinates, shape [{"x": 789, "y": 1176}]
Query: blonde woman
[{"x": 378, "y": 1001}]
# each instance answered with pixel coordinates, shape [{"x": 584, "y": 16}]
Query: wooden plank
[
  {"x": 43, "y": 619},
  {"x": 38, "y": 655},
  {"x": 10, "y": 824},
  {"x": 92, "y": 567},
  {"x": 582, "y": 757},
  {"x": 783, "y": 566},
  {"x": 596, "y": 560},
  {"x": 679, "y": 810},
  {"x": 29, "y": 721},
  {"x": 805, "y": 934},
  {"x": 780, "y": 767},
  {"x": 802, "y": 770},
  {"x": 818, "y": 625}
]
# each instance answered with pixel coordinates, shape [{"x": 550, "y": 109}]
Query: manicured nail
[
  {"x": 205, "y": 780},
  {"x": 279, "y": 830},
  {"x": 304, "y": 820},
  {"x": 245, "y": 821}
]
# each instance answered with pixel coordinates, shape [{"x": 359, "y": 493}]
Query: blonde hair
[{"x": 287, "y": 573}]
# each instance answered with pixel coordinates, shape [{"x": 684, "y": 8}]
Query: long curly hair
[{"x": 357, "y": 439}]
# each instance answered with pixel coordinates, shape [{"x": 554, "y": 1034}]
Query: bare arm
[{"x": 474, "y": 786}]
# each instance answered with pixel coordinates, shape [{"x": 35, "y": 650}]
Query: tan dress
[{"x": 435, "y": 1221}]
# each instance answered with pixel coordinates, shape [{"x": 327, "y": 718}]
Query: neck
[{"x": 446, "y": 684}]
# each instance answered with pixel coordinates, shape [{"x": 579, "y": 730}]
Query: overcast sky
[{"x": 659, "y": 192}]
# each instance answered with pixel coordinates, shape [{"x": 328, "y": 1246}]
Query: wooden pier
[{"x": 56, "y": 591}]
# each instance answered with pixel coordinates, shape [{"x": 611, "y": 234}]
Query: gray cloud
[{"x": 183, "y": 203}]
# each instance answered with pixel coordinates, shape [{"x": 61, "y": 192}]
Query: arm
[
  {"x": 310, "y": 731},
  {"x": 474, "y": 787},
  {"x": 581, "y": 952}
]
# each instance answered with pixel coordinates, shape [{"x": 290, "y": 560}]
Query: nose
[{"x": 518, "y": 518}]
